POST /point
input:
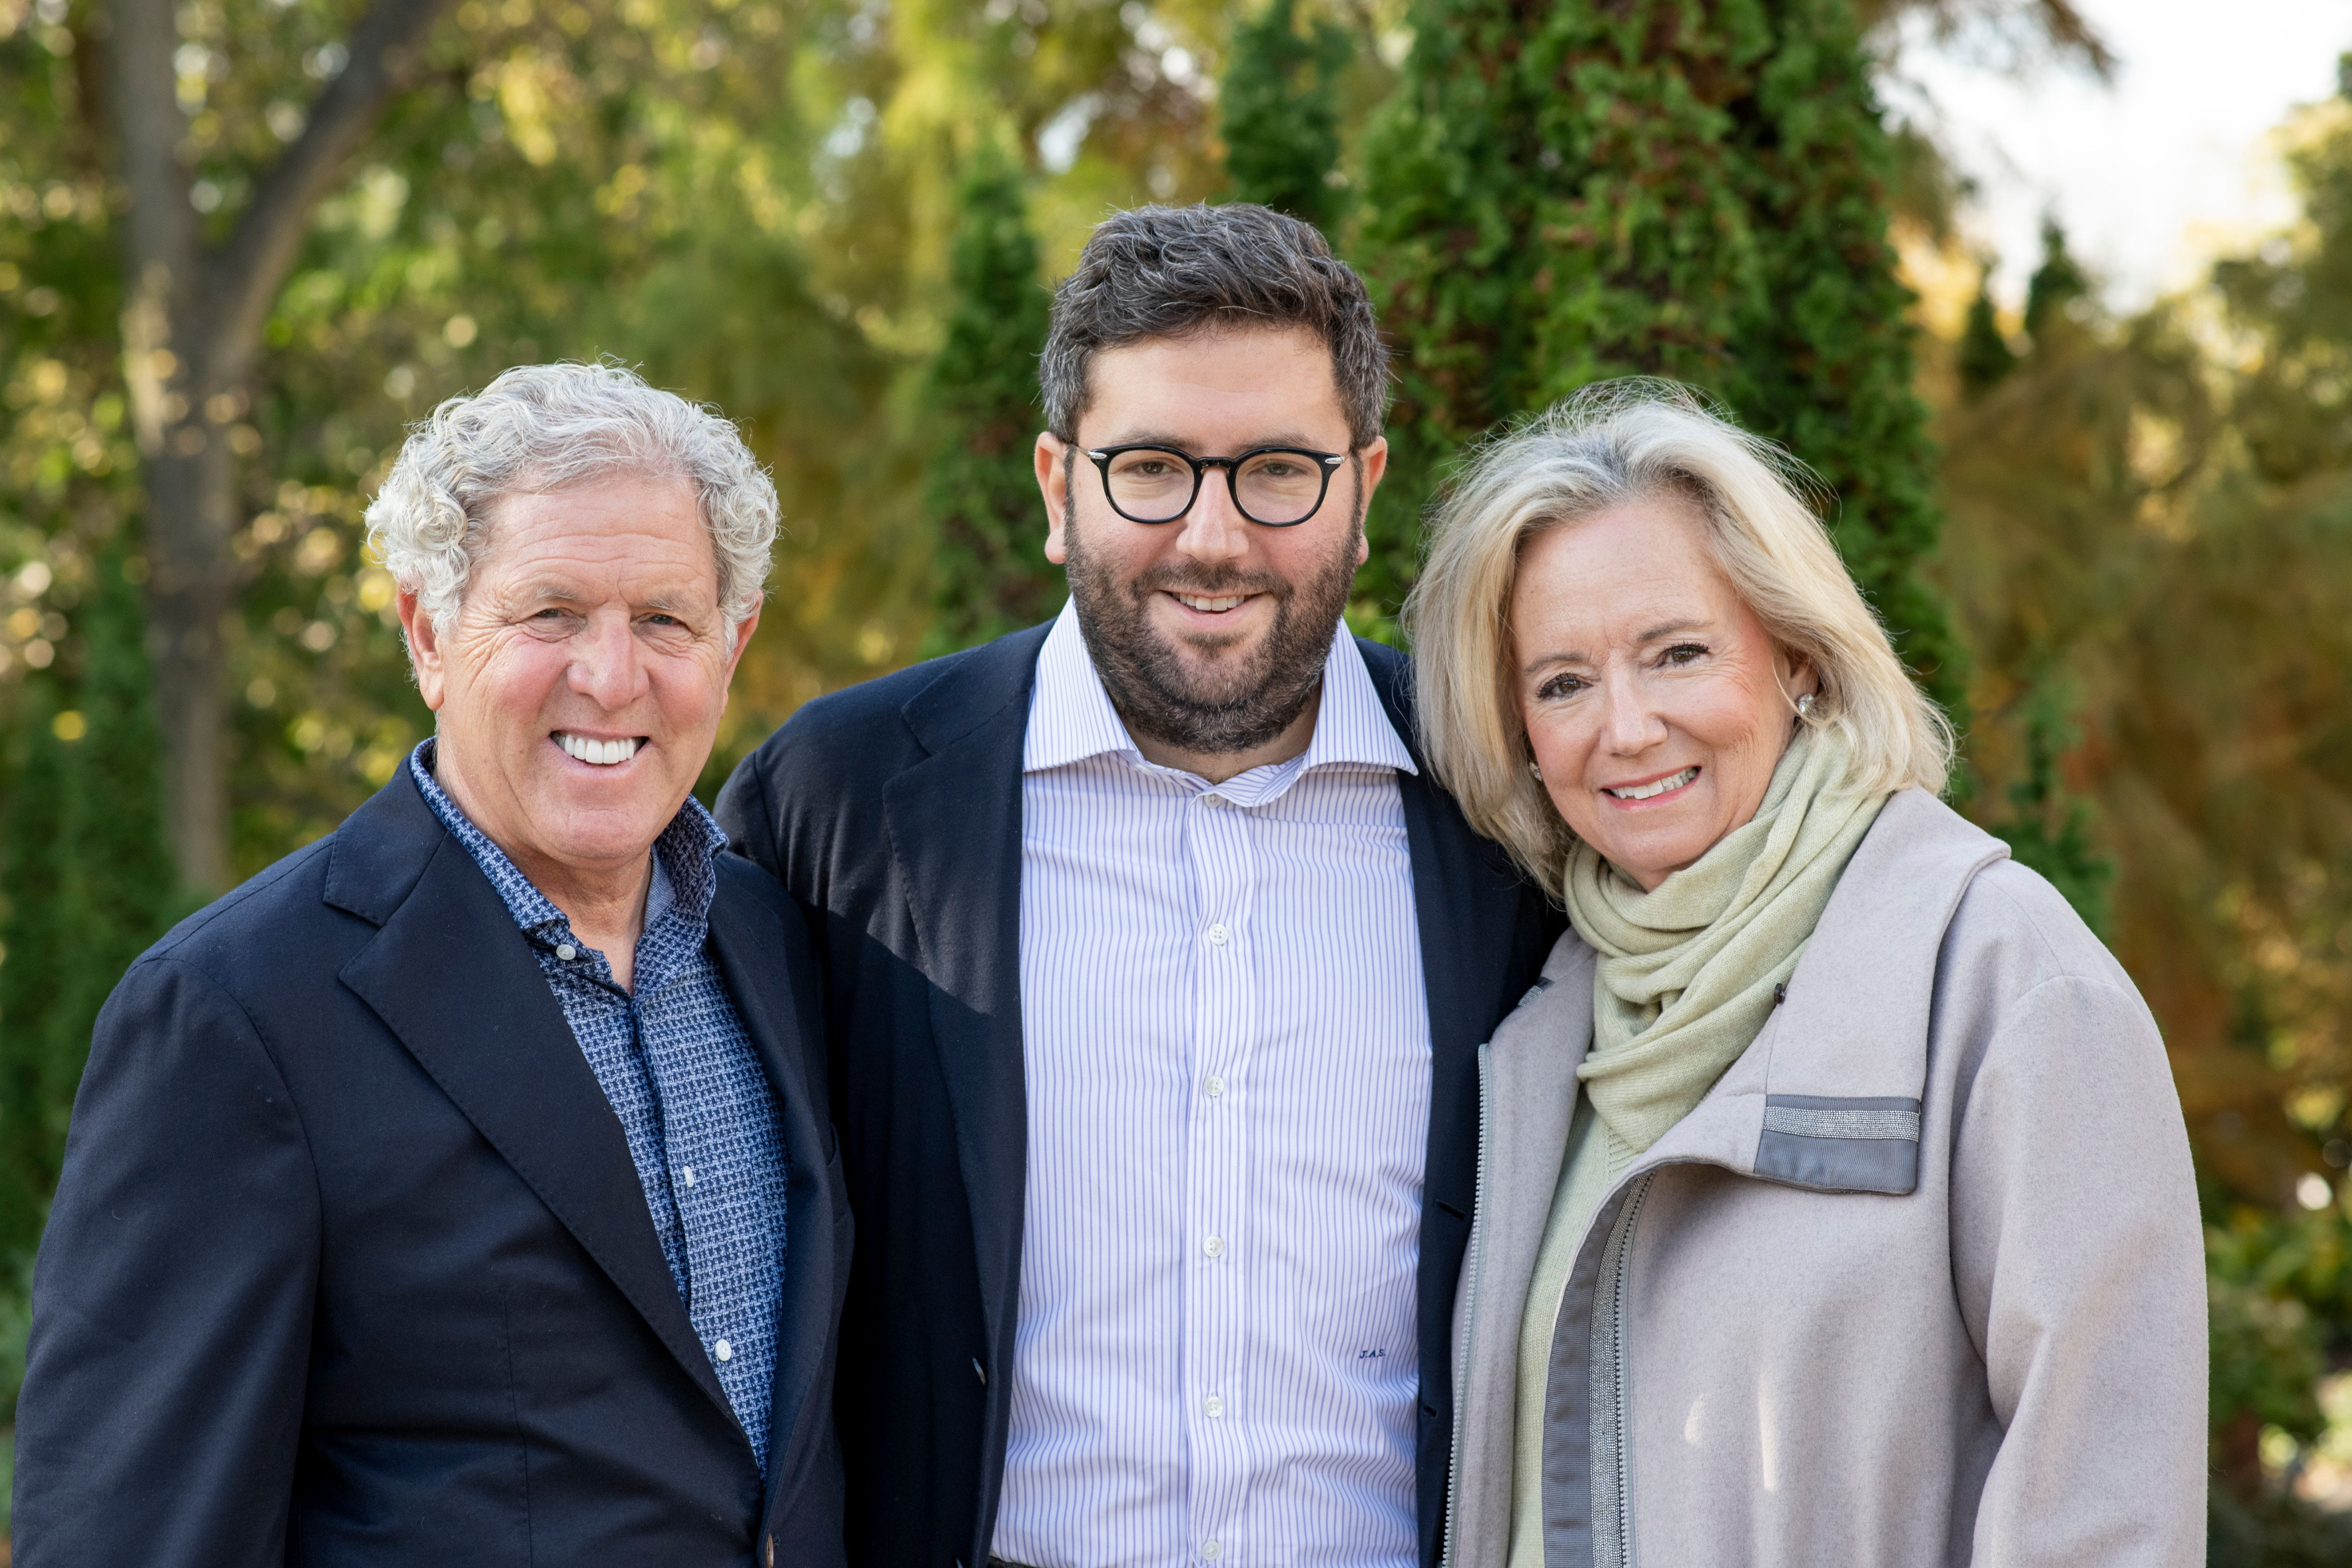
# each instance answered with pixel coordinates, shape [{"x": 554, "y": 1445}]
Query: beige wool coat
[{"x": 1919, "y": 1281}]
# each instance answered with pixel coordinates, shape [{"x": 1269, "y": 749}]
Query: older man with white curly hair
[{"x": 460, "y": 1189}]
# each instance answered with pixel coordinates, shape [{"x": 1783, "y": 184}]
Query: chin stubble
[{"x": 1238, "y": 704}]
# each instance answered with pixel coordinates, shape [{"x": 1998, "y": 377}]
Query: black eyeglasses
[{"x": 1275, "y": 487}]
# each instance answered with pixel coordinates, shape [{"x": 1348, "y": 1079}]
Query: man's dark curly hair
[{"x": 1169, "y": 272}]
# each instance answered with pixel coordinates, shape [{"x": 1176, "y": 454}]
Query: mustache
[{"x": 1207, "y": 582}]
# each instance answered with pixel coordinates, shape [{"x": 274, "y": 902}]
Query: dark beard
[{"x": 1230, "y": 708}]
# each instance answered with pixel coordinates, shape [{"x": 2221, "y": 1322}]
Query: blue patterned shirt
[{"x": 674, "y": 1058}]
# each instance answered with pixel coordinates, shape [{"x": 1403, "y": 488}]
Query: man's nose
[
  {"x": 605, "y": 663},
  {"x": 1214, "y": 529}
]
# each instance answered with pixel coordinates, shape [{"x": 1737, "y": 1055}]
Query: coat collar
[
  {"x": 746, "y": 936},
  {"x": 954, "y": 825},
  {"x": 1834, "y": 1080},
  {"x": 453, "y": 978},
  {"x": 1830, "y": 1093},
  {"x": 1855, "y": 1022}
]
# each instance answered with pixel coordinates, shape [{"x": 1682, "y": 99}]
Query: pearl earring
[
  {"x": 1537, "y": 770},
  {"x": 1805, "y": 705}
]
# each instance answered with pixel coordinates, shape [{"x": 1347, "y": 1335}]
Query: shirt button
[
  {"x": 723, "y": 1351},
  {"x": 1212, "y": 800},
  {"x": 1213, "y": 1406},
  {"x": 1217, "y": 1087},
  {"x": 1214, "y": 1247},
  {"x": 1218, "y": 935},
  {"x": 1210, "y": 1551},
  {"x": 689, "y": 1174},
  {"x": 567, "y": 952}
]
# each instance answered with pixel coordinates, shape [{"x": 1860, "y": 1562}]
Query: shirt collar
[
  {"x": 1071, "y": 717},
  {"x": 686, "y": 875}
]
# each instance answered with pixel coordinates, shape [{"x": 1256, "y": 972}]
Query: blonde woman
[{"x": 1834, "y": 1205}]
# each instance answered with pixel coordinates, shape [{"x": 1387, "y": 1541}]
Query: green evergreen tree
[
  {"x": 981, "y": 405},
  {"x": 1279, "y": 113},
  {"x": 1985, "y": 356},
  {"x": 123, "y": 878},
  {"x": 1689, "y": 188},
  {"x": 2048, "y": 828},
  {"x": 2058, "y": 283},
  {"x": 36, "y": 973},
  {"x": 89, "y": 881}
]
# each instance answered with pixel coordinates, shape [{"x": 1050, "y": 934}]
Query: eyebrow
[
  {"x": 1160, "y": 438},
  {"x": 553, "y": 590},
  {"x": 1669, "y": 628},
  {"x": 1663, "y": 629}
]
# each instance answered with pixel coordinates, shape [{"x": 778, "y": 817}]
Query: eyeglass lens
[{"x": 1153, "y": 486}]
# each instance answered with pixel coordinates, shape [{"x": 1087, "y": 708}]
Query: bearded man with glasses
[{"x": 1157, "y": 972}]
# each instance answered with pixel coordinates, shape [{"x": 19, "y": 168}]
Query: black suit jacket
[
  {"x": 893, "y": 811},
  {"x": 350, "y": 1266}
]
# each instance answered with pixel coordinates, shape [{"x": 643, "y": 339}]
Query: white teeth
[
  {"x": 604, "y": 753},
  {"x": 1644, "y": 792},
  {"x": 1197, "y": 603}
]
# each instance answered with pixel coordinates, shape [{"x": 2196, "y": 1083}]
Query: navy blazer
[
  {"x": 893, "y": 811},
  {"x": 350, "y": 1266}
]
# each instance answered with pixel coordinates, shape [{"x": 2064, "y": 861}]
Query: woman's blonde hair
[{"x": 1622, "y": 441}]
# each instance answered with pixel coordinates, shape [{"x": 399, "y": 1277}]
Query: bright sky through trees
[{"x": 2154, "y": 175}]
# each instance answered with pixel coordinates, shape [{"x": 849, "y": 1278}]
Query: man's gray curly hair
[{"x": 541, "y": 427}]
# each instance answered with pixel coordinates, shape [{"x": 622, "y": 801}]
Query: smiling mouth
[
  {"x": 1210, "y": 605},
  {"x": 598, "y": 753},
  {"x": 1655, "y": 788}
]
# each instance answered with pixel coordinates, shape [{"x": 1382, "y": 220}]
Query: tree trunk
[{"x": 191, "y": 330}]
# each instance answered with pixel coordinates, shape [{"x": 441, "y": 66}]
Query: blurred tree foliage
[
  {"x": 2150, "y": 546},
  {"x": 1689, "y": 188},
  {"x": 1984, "y": 355},
  {"x": 90, "y": 879},
  {"x": 981, "y": 398},
  {"x": 1279, "y": 112}
]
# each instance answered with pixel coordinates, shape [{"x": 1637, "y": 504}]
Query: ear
[
  {"x": 1798, "y": 677},
  {"x": 1054, "y": 486},
  {"x": 735, "y": 655},
  {"x": 424, "y": 649},
  {"x": 1372, "y": 463}
]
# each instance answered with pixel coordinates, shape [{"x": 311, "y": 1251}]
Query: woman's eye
[
  {"x": 1558, "y": 686},
  {"x": 1684, "y": 653}
]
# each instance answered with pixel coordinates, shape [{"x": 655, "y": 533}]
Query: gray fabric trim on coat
[
  {"x": 1819, "y": 1116},
  {"x": 1569, "y": 1474},
  {"x": 1864, "y": 1144}
]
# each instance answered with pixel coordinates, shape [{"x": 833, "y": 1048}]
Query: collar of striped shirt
[{"x": 1071, "y": 718}]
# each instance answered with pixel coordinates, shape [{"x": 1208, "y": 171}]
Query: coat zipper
[
  {"x": 1612, "y": 1542},
  {"x": 1469, "y": 1323}
]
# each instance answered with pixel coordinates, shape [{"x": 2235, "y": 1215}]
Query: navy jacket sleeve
[{"x": 163, "y": 1391}]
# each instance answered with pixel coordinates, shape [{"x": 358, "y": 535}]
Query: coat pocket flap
[{"x": 1839, "y": 1145}]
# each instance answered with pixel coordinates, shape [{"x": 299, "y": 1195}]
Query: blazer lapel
[
  {"x": 1468, "y": 899},
  {"x": 1470, "y": 903},
  {"x": 452, "y": 977},
  {"x": 954, "y": 823},
  {"x": 746, "y": 942}
]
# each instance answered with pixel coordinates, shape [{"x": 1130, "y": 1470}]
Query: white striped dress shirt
[{"x": 1226, "y": 1041}]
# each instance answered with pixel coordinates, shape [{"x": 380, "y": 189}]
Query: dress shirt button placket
[{"x": 1215, "y": 1319}]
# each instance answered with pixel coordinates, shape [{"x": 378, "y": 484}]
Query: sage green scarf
[{"x": 1687, "y": 971}]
